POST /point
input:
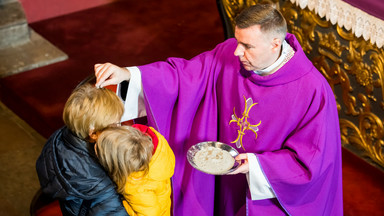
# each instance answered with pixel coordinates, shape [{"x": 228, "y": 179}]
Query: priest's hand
[
  {"x": 242, "y": 159},
  {"x": 110, "y": 74}
]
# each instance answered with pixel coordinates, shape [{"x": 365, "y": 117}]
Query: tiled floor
[{"x": 20, "y": 146}]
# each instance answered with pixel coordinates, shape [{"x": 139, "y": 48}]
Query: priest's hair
[{"x": 266, "y": 15}]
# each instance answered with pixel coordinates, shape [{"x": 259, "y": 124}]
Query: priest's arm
[{"x": 135, "y": 108}]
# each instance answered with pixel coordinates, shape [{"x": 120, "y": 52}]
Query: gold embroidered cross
[{"x": 243, "y": 123}]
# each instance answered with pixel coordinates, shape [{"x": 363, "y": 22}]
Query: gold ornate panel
[{"x": 353, "y": 67}]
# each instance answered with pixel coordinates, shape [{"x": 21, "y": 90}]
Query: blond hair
[
  {"x": 123, "y": 151},
  {"x": 266, "y": 15},
  {"x": 91, "y": 109}
]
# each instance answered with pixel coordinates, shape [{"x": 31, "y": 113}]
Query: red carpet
[
  {"x": 125, "y": 33},
  {"x": 363, "y": 187},
  {"x": 137, "y": 32}
]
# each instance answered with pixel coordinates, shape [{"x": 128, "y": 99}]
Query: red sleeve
[{"x": 147, "y": 131}]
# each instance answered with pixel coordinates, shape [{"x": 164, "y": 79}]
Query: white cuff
[
  {"x": 258, "y": 185},
  {"x": 134, "y": 106}
]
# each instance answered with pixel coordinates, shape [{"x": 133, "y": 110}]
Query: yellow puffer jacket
[{"x": 151, "y": 194}]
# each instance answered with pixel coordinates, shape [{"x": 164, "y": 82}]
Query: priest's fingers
[
  {"x": 243, "y": 168},
  {"x": 110, "y": 74},
  {"x": 242, "y": 156},
  {"x": 242, "y": 159},
  {"x": 103, "y": 72}
]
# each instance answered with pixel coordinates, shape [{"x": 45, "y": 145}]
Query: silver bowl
[{"x": 195, "y": 148}]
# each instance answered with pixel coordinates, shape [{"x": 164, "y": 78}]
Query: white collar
[{"x": 285, "y": 50}]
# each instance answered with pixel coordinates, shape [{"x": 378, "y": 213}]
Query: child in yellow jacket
[{"x": 140, "y": 161}]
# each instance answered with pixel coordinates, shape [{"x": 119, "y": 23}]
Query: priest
[{"x": 259, "y": 93}]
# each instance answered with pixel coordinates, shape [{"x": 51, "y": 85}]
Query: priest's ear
[{"x": 276, "y": 44}]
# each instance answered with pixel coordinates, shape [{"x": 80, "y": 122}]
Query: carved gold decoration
[
  {"x": 353, "y": 67},
  {"x": 367, "y": 139}
]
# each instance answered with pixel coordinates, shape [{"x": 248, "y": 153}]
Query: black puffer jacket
[{"x": 68, "y": 170}]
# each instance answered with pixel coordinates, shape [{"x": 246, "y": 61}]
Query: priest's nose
[{"x": 239, "y": 51}]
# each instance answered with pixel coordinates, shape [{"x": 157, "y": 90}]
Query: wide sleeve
[
  {"x": 259, "y": 187},
  {"x": 175, "y": 90},
  {"x": 134, "y": 106}
]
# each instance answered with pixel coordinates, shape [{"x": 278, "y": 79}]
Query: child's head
[
  {"x": 90, "y": 109},
  {"x": 122, "y": 151}
]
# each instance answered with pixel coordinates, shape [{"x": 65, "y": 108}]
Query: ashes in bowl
[{"x": 213, "y": 157}]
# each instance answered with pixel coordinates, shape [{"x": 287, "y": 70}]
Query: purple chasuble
[{"x": 290, "y": 122}]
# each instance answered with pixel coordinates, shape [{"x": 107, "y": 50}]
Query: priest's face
[{"x": 255, "y": 49}]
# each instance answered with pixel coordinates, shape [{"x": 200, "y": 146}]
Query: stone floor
[{"x": 20, "y": 146}]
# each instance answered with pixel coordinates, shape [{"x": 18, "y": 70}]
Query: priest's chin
[{"x": 247, "y": 66}]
